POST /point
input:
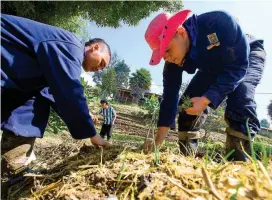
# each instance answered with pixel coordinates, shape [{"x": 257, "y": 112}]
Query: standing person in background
[{"x": 109, "y": 116}]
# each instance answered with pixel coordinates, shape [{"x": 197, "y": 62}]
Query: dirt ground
[
  {"x": 71, "y": 170},
  {"x": 74, "y": 169},
  {"x": 131, "y": 125}
]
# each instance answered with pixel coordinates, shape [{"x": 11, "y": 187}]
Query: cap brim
[
  {"x": 169, "y": 31},
  {"x": 156, "y": 58}
]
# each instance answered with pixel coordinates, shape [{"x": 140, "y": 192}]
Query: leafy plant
[
  {"x": 56, "y": 124},
  {"x": 269, "y": 109},
  {"x": 122, "y": 74},
  {"x": 265, "y": 123},
  {"x": 151, "y": 105},
  {"x": 215, "y": 121},
  {"x": 253, "y": 155},
  {"x": 263, "y": 152},
  {"x": 186, "y": 102},
  {"x": 140, "y": 82},
  {"x": 120, "y": 175},
  {"x": 235, "y": 195},
  {"x": 108, "y": 86},
  {"x": 106, "y": 13},
  {"x": 122, "y": 71},
  {"x": 89, "y": 92}
]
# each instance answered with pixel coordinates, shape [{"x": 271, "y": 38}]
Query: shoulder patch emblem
[{"x": 213, "y": 39}]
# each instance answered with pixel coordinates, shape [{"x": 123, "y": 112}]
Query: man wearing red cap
[{"x": 230, "y": 66}]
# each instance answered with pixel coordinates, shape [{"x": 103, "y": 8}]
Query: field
[{"x": 74, "y": 169}]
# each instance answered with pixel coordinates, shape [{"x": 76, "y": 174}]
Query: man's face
[
  {"x": 96, "y": 57},
  {"x": 103, "y": 105},
  {"x": 177, "y": 48}
]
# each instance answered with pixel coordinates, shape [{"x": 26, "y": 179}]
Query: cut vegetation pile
[
  {"x": 73, "y": 169},
  {"x": 127, "y": 173}
]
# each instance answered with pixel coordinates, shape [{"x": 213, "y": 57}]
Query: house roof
[{"x": 129, "y": 90}]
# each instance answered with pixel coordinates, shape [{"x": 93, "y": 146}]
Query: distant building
[
  {"x": 125, "y": 95},
  {"x": 266, "y": 132}
]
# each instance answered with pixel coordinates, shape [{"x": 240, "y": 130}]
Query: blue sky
[{"x": 254, "y": 17}]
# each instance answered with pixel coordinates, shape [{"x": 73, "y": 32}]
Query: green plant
[
  {"x": 151, "y": 105},
  {"x": 211, "y": 148},
  {"x": 215, "y": 121},
  {"x": 264, "y": 156},
  {"x": 122, "y": 74},
  {"x": 265, "y": 123},
  {"x": 235, "y": 195},
  {"x": 140, "y": 82},
  {"x": 106, "y": 13},
  {"x": 120, "y": 175},
  {"x": 108, "y": 86},
  {"x": 228, "y": 155},
  {"x": 269, "y": 109},
  {"x": 263, "y": 152},
  {"x": 186, "y": 102},
  {"x": 90, "y": 93},
  {"x": 253, "y": 155},
  {"x": 55, "y": 123}
]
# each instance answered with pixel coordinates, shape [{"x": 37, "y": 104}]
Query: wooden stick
[
  {"x": 87, "y": 166},
  {"x": 34, "y": 175},
  {"x": 208, "y": 181},
  {"x": 265, "y": 172},
  {"x": 181, "y": 187},
  {"x": 123, "y": 181}
]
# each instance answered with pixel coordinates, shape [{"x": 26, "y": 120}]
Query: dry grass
[{"x": 129, "y": 174}]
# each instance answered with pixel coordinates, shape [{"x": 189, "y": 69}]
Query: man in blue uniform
[
  {"x": 230, "y": 65},
  {"x": 41, "y": 67}
]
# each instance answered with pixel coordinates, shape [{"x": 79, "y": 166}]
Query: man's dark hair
[
  {"x": 104, "y": 101},
  {"x": 98, "y": 40}
]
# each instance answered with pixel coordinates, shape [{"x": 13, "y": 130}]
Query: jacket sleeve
[
  {"x": 172, "y": 79},
  {"x": 235, "y": 60},
  {"x": 61, "y": 64}
]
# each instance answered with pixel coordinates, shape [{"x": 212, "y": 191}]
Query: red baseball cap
[{"x": 160, "y": 32}]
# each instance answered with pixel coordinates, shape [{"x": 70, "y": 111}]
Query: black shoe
[
  {"x": 234, "y": 143},
  {"x": 188, "y": 141},
  {"x": 188, "y": 147},
  {"x": 16, "y": 153}
]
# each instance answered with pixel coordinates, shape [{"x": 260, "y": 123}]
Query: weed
[{"x": 186, "y": 102}]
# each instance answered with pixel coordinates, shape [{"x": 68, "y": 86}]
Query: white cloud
[
  {"x": 153, "y": 85},
  {"x": 155, "y": 88}
]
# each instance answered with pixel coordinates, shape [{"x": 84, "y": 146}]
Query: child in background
[{"x": 109, "y": 115}]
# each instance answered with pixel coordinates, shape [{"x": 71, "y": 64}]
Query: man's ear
[
  {"x": 96, "y": 47},
  {"x": 181, "y": 31}
]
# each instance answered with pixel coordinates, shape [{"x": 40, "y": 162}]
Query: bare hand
[
  {"x": 95, "y": 119},
  {"x": 199, "y": 104},
  {"x": 148, "y": 147},
  {"x": 99, "y": 142},
  {"x": 161, "y": 134}
]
